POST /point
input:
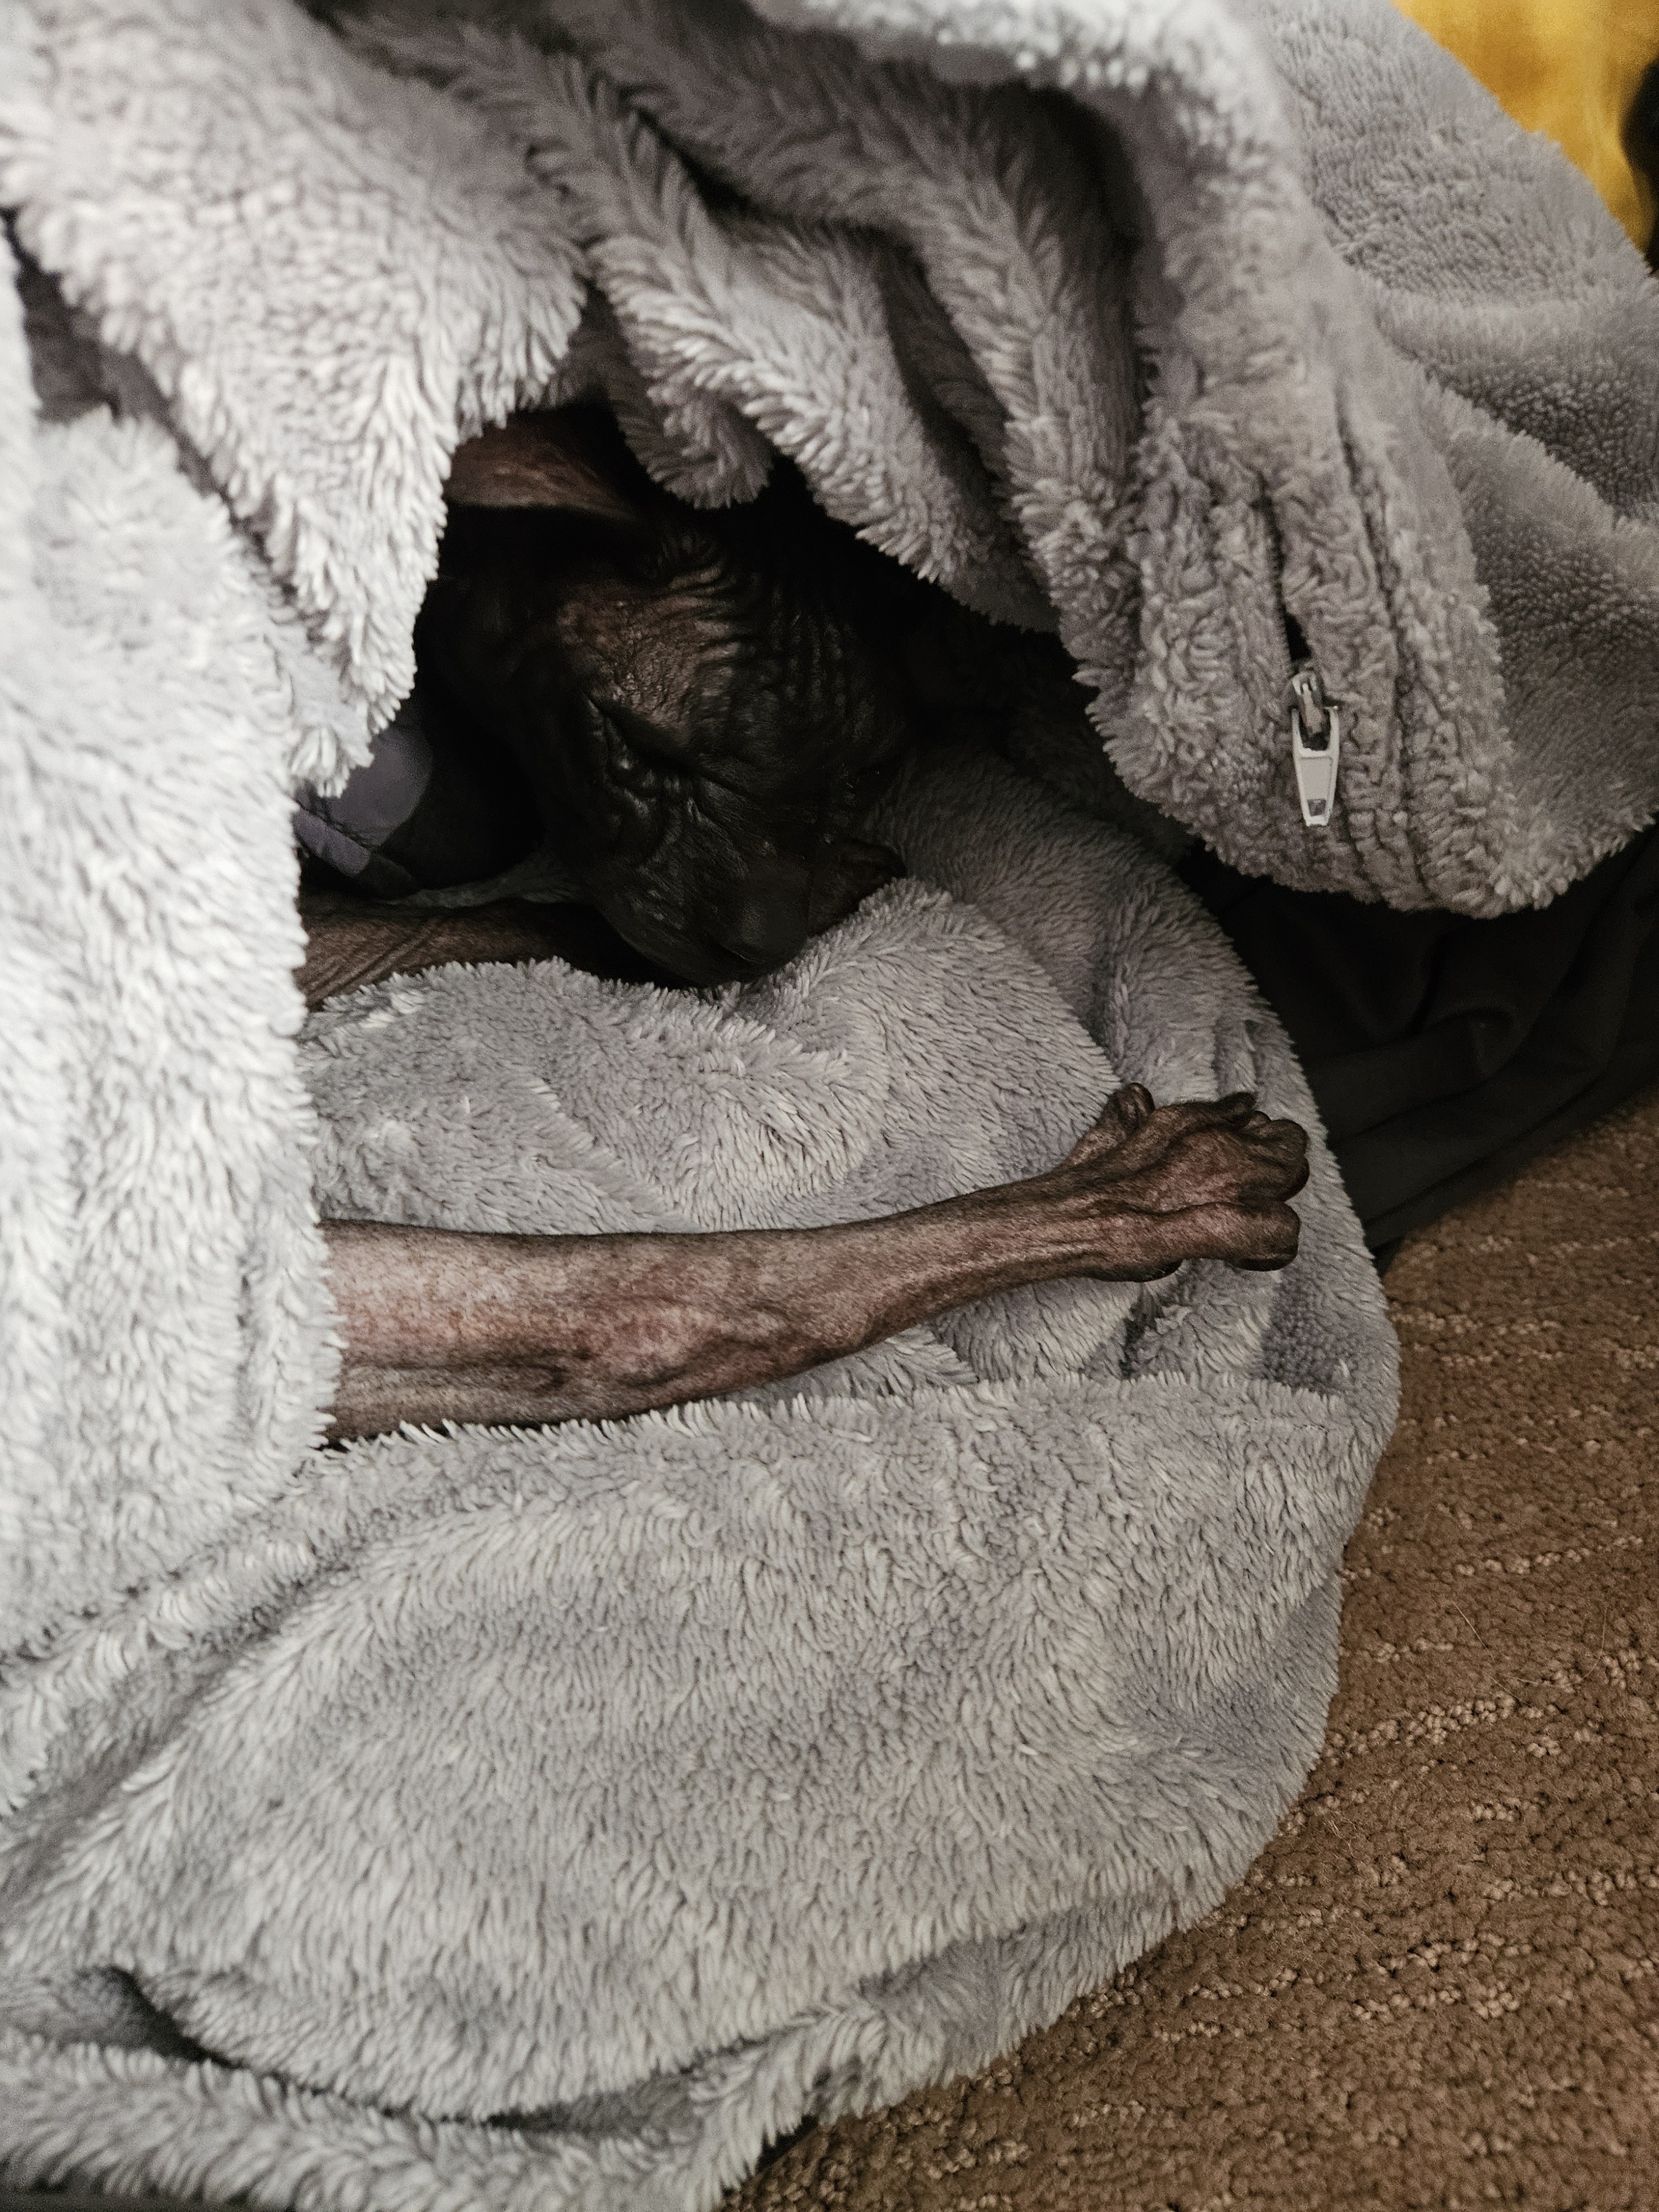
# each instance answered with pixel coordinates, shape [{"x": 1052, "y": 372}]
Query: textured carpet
[{"x": 1440, "y": 1987}]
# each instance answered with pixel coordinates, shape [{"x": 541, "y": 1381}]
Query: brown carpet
[{"x": 1440, "y": 1986}]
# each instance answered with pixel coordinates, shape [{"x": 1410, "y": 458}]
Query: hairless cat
[{"x": 632, "y": 662}]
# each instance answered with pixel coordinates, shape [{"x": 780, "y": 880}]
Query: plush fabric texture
[
  {"x": 1274, "y": 313},
  {"x": 1284, "y": 316},
  {"x": 566, "y": 1814},
  {"x": 1436, "y": 1987},
  {"x": 615, "y": 1797},
  {"x": 1570, "y": 68},
  {"x": 1433, "y": 1988}
]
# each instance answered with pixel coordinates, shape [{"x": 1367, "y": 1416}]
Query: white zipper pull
[{"x": 1316, "y": 745}]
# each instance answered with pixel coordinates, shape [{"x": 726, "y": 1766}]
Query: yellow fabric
[{"x": 1569, "y": 68}]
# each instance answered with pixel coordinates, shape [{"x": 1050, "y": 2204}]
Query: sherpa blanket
[
  {"x": 1222, "y": 337},
  {"x": 579, "y": 1810},
  {"x": 572, "y": 1811}
]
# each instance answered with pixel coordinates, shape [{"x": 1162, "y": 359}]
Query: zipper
[
  {"x": 1315, "y": 731},
  {"x": 1315, "y": 724}
]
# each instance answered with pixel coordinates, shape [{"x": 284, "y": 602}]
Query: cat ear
[{"x": 563, "y": 463}]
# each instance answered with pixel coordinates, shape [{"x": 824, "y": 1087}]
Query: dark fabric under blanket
[
  {"x": 436, "y": 806},
  {"x": 1445, "y": 1051}
]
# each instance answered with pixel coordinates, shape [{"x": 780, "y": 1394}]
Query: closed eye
[
  {"x": 649, "y": 746},
  {"x": 661, "y": 747}
]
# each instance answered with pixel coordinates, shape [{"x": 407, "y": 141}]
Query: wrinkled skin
[
  {"x": 441, "y": 1325},
  {"x": 703, "y": 706}
]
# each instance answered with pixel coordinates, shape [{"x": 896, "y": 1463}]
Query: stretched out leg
[
  {"x": 443, "y": 1325},
  {"x": 351, "y": 941}
]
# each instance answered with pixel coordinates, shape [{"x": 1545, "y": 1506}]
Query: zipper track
[{"x": 1315, "y": 723}]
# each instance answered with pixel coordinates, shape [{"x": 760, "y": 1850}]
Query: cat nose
[{"x": 766, "y": 923}]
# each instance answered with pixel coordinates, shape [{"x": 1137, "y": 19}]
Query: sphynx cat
[{"x": 623, "y": 646}]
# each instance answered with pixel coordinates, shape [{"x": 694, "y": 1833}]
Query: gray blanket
[
  {"x": 570, "y": 1812},
  {"x": 620, "y": 1796}
]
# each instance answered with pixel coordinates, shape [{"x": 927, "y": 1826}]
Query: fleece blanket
[
  {"x": 466, "y": 1816},
  {"x": 578, "y": 1811},
  {"x": 1225, "y": 337}
]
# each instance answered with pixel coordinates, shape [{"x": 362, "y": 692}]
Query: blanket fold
[
  {"x": 617, "y": 1797},
  {"x": 480, "y": 1816},
  {"x": 1272, "y": 340}
]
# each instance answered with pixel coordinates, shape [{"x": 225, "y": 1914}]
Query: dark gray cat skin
[{"x": 703, "y": 707}]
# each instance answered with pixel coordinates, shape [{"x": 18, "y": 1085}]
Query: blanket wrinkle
[
  {"x": 226, "y": 1963},
  {"x": 563, "y": 1815},
  {"x": 1010, "y": 236},
  {"x": 74, "y": 373},
  {"x": 342, "y": 489},
  {"x": 142, "y": 711},
  {"x": 1289, "y": 455},
  {"x": 1270, "y": 384}
]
